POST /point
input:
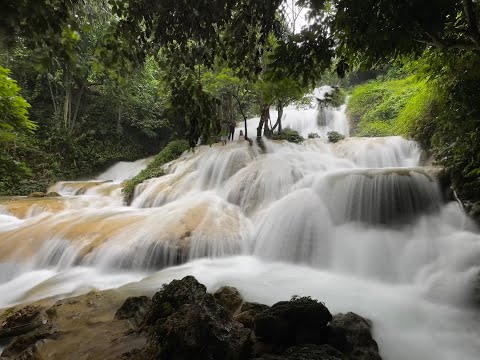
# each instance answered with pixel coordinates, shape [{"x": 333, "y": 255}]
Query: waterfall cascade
[{"x": 359, "y": 225}]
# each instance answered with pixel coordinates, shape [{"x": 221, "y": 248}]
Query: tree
[
  {"x": 14, "y": 122},
  {"x": 236, "y": 95},
  {"x": 372, "y": 31}
]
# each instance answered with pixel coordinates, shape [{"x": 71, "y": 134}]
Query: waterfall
[{"x": 358, "y": 224}]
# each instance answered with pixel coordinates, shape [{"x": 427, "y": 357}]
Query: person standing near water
[
  {"x": 224, "y": 134},
  {"x": 231, "y": 133}
]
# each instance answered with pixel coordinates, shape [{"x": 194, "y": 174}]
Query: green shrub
[
  {"x": 417, "y": 119},
  {"x": 313, "y": 136},
  {"x": 374, "y": 107},
  {"x": 171, "y": 152},
  {"x": 288, "y": 135},
  {"x": 334, "y": 136}
]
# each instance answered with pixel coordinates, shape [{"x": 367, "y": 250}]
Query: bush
[
  {"x": 313, "y": 136},
  {"x": 334, "y": 137},
  {"x": 374, "y": 107},
  {"x": 171, "y": 152},
  {"x": 288, "y": 135}
]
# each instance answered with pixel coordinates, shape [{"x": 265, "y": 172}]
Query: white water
[{"x": 357, "y": 225}]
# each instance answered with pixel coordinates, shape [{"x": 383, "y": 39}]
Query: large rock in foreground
[
  {"x": 355, "y": 335},
  {"x": 190, "y": 324},
  {"x": 300, "y": 321},
  {"x": 182, "y": 322}
]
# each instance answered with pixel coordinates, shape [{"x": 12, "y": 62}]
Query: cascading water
[{"x": 358, "y": 225}]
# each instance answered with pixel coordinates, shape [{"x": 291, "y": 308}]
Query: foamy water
[{"x": 358, "y": 225}]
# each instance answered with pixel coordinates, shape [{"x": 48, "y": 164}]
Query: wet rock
[
  {"x": 53, "y": 194},
  {"x": 258, "y": 308},
  {"x": 192, "y": 325},
  {"x": 313, "y": 352},
  {"x": 229, "y": 297},
  {"x": 248, "y": 312},
  {"x": 307, "y": 352},
  {"x": 25, "y": 346},
  {"x": 203, "y": 331},
  {"x": 21, "y": 317},
  {"x": 295, "y": 322},
  {"x": 134, "y": 309},
  {"x": 173, "y": 296},
  {"x": 37, "y": 194},
  {"x": 246, "y": 318},
  {"x": 352, "y": 335}
]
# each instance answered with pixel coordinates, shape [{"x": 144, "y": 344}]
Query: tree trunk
[
  {"x": 264, "y": 116},
  {"x": 119, "y": 119},
  {"x": 279, "y": 118},
  {"x": 67, "y": 104},
  {"x": 77, "y": 106}
]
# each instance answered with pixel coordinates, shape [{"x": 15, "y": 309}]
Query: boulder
[
  {"x": 20, "y": 317},
  {"x": 307, "y": 352},
  {"x": 248, "y": 312},
  {"x": 134, "y": 309},
  {"x": 203, "y": 331},
  {"x": 53, "y": 194},
  {"x": 37, "y": 194},
  {"x": 172, "y": 296},
  {"x": 25, "y": 346},
  {"x": 352, "y": 335},
  {"x": 190, "y": 324},
  {"x": 229, "y": 298},
  {"x": 258, "y": 308},
  {"x": 313, "y": 352},
  {"x": 295, "y": 322}
]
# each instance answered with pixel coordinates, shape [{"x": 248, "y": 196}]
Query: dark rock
[
  {"x": 307, "y": 352},
  {"x": 20, "y": 317},
  {"x": 53, "y": 194},
  {"x": 201, "y": 331},
  {"x": 24, "y": 347},
  {"x": 190, "y": 324},
  {"x": 246, "y": 318},
  {"x": 313, "y": 352},
  {"x": 173, "y": 296},
  {"x": 295, "y": 322},
  {"x": 258, "y": 308},
  {"x": 135, "y": 309},
  {"x": 248, "y": 312},
  {"x": 229, "y": 297},
  {"x": 359, "y": 343}
]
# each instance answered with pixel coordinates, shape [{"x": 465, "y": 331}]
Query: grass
[{"x": 169, "y": 153}]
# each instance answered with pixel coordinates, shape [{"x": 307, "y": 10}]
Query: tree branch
[
  {"x": 471, "y": 16},
  {"x": 447, "y": 44}
]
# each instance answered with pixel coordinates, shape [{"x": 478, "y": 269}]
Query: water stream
[{"x": 359, "y": 225}]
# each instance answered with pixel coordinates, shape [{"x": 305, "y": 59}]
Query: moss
[{"x": 155, "y": 169}]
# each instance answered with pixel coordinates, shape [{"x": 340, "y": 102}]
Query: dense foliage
[{"x": 14, "y": 125}]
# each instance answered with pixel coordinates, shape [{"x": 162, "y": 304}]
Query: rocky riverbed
[{"x": 182, "y": 321}]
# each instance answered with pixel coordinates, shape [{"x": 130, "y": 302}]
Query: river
[{"x": 359, "y": 225}]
